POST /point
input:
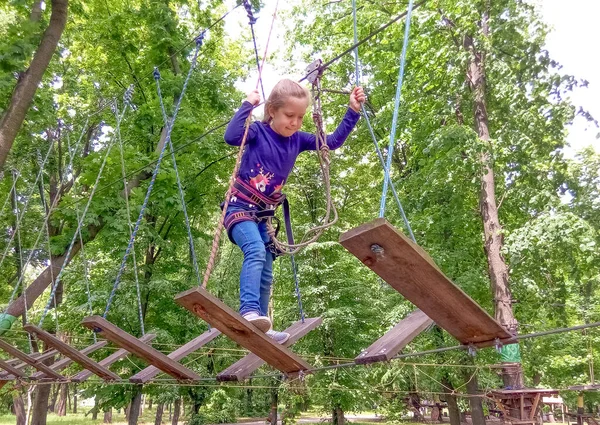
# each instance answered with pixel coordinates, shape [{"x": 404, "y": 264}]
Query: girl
[{"x": 271, "y": 150}]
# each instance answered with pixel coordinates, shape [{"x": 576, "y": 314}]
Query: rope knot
[
  {"x": 156, "y": 73},
  {"x": 129, "y": 94},
  {"x": 248, "y": 7},
  {"x": 200, "y": 39}
]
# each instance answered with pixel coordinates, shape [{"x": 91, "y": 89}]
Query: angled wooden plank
[
  {"x": 68, "y": 351},
  {"x": 135, "y": 346},
  {"x": 11, "y": 369},
  {"x": 590, "y": 387},
  {"x": 113, "y": 358},
  {"x": 66, "y": 361},
  {"x": 195, "y": 344},
  {"x": 409, "y": 269},
  {"x": 396, "y": 339},
  {"x": 244, "y": 367},
  {"x": 220, "y": 316},
  {"x": 31, "y": 361}
]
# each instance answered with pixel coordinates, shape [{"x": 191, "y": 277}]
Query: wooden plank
[
  {"x": 11, "y": 369},
  {"x": 535, "y": 405},
  {"x": 591, "y": 387},
  {"x": 68, "y": 351},
  {"x": 34, "y": 362},
  {"x": 220, "y": 316},
  {"x": 410, "y": 270},
  {"x": 113, "y": 358},
  {"x": 66, "y": 361},
  {"x": 194, "y": 345},
  {"x": 244, "y": 367},
  {"x": 396, "y": 339},
  {"x": 135, "y": 346}
]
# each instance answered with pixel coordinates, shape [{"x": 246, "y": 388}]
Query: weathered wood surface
[
  {"x": 244, "y": 367},
  {"x": 66, "y": 361},
  {"x": 396, "y": 339},
  {"x": 68, "y": 351},
  {"x": 194, "y": 345},
  {"x": 31, "y": 361},
  {"x": 113, "y": 358},
  {"x": 410, "y": 270},
  {"x": 140, "y": 349},
  {"x": 11, "y": 370},
  {"x": 230, "y": 323}
]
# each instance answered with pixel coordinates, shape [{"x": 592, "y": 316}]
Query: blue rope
[
  {"x": 80, "y": 223},
  {"x": 364, "y": 111},
  {"x": 170, "y": 123},
  {"x": 180, "y": 189},
  {"x": 252, "y": 20},
  {"x": 396, "y": 108},
  {"x": 298, "y": 295}
]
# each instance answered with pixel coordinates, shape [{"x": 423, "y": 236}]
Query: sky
[{"x": 571, "y": 42}]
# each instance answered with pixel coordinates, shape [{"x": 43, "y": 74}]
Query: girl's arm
[
  {"x": 341, "y": 133},
  {"x": 237, "y": 125}
]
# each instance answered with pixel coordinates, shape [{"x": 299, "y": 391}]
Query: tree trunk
[
  {"x": 134, "y": 407},
  {"x": 149, "y": 404},
  {"x": 338, "y": 416},
  {"x": 40, "y": 405},
  {"x": 176, "y": 412},
  {"x": 477, "y": 416},
  {"x": 450, "y": 399},
  {"x": 19, "y": 407},
  {"x": 108, "y": 416},
  {"x": 61, "y": 405},
  {"x": 159, "y": 413},
  {"x": 75, "y": 399},
  {"x": 497, "y": 267},
  {"x": 274, "y": 403},
  {"x": 28, "y": 82}
]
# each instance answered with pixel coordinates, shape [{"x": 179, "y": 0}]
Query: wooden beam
[
  {"x": 194, "y": 345},
  {"x": 68, "y": 351},
  {"x": 410, "y": 270},
  {"x": 244, "y": 367},
  {"x": 66, "y": 361},
  {"x": 135, "y": 346},
  {"x": 113, "y": 358},
  {"x": 220, "y": 316},
  {"x": 11, "y": 369},
  {"x": 396, "y": 339},
  {"x": 34, "y": 362}
]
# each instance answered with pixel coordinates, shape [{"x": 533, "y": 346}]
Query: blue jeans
[{"x": 257, "y": 268}]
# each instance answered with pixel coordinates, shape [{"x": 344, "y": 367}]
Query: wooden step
[
  {"x": 409, "y": 269},
  {"x": 40, "y": 357},
  {"x": 244, "y": 367},
  {"x": 194, "y": 345},
  {"x": 113, "y": 358},
  {"x": 11, "y": 370},
  {"x": 130, "y": 343},
  {"x": 396, "y": 339},
  {"x": 31, "y": 361},
  {"x": 220, "y": 316},
  {"x": 66, "y": 361},
  {"x": 68, "y": 351}
]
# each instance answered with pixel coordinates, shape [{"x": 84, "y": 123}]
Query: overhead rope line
[
  {"x": 128, "y": 94},
  {"x": 390, "y": 152},
  {"x": 155, "y": 172},
  {"x": 251, "y": 22},
  {"x": 370, "y": 127}
]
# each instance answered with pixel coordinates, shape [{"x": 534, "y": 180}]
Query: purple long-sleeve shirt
[{"x": 269, "y": 157}]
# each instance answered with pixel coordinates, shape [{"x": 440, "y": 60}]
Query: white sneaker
[
  {"x": 278, "y": 337},
  {"x": 263, "y": 323}
]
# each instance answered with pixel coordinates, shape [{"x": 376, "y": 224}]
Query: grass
[{"x": 80, "y": 419}]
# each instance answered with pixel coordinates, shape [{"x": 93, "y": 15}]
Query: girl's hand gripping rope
[
  {"x": 357, "y": 97},
  {"x": 253, "y": 97}
]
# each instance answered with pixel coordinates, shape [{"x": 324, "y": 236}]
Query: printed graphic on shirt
[{"x": 261, "y": 180}]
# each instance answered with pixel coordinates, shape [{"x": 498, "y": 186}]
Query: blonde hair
[{"x": 283, "y": 90}]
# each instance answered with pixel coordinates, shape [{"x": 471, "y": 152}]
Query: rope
[
  {"x": 179, "y": 187},
  {"x": 130, "y": 227},
  {"x": 7, "y": 199},
  {"x": 215, "y": 244},
  {"x": 368, "y": 121},
  {"x": 252, "y": 21},
  {"x": 46, "y": 219},
  {"x": 154, "y": 173},
  {"x": 80, "y": 223},
  {"x": 72, "y": 153},
  {"x": 388, "y": 164}
]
